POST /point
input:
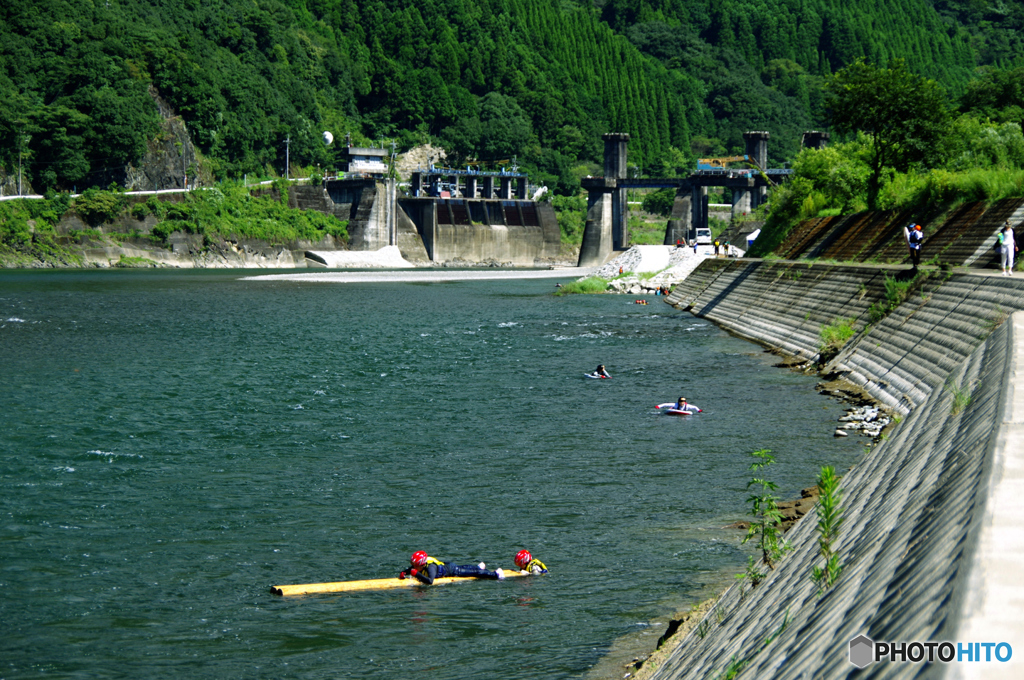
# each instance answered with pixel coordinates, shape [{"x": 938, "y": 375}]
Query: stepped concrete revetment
[{"x": 932, "y": 539}]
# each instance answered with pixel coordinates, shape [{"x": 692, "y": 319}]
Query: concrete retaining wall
[{"x": 916, "y": 508}]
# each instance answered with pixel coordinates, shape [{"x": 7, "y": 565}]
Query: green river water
[{"x": 173, "y": 443}]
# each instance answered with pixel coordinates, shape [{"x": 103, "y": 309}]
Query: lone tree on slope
[{"x": 904, "y": 114}]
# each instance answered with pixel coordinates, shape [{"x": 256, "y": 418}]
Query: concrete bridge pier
[
  {"x": 505, "y": 192},
  {"x": 487, "y": 187},
  {"x": 606, "y": 229},
  {"x": 699, "y": 208},
  {"x": 680, "y": 222},
  {"x": 741, "y": 202},
  {"x": 757, "y": 150},
  {"x": 521, "y": 188},
  {"x": 596, "y": 247},
  {"x": 815, "y": 139},
  {"x": 470, "y": 191}
]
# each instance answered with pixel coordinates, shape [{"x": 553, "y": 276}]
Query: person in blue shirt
[{"x": 915, "y": 237}]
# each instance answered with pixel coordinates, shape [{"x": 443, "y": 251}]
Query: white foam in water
[
  {"x": 507, "y": 324},
  {"x": 110, "y": 454},
  {"x": 15, "y": 319}
]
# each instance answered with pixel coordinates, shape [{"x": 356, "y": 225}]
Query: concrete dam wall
[{"x": 931, "y": 541}]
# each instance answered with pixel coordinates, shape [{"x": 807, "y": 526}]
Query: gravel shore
[{"x": 426, "y": 275}]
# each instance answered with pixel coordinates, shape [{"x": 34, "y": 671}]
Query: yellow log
[{"x": 375, "y": 584}]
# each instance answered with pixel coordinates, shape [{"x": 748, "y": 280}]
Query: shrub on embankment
[{"x": 44, "y": 231}]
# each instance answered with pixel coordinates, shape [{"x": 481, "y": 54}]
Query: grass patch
[
  {"x": 961, "y": 396},
  {"x": 833, "y": 337},
  {"x": 591, "y": 285},
  {"x": 897, "y": 290}
]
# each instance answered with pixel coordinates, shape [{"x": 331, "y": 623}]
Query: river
[{"x": 175, "y": 442}]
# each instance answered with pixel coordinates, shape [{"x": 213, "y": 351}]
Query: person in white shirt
[{"x": 1007, "y": 248}]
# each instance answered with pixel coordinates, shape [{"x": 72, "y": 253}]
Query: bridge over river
[{"x": 606, "y": 229}]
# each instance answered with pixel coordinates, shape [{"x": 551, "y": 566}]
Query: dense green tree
[
  {"x": 905, "y": 115},
  {"x": 998, "y": 95}
]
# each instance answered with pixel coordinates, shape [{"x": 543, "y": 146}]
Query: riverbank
[
  {"x": 651, "y": 270},
  {"x": 929, "y": 514}
]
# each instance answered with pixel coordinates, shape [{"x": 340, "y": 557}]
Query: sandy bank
[{"x": 427, "y": 275}]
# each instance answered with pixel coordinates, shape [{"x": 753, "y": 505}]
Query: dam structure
[
  {"x": 447, "y": 215},
  {"x": 606, "y": 230},
  {"x": 932, "y": 536}
]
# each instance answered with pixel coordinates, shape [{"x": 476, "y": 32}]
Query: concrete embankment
[{"x": 933, "y": 533}]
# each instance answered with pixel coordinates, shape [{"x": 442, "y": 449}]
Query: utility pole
[
  {"x": 21, "y": 146},
  {"x": 287, "y": 159}
]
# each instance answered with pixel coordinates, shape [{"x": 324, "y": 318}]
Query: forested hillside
[{"x": 489, "y": 79}]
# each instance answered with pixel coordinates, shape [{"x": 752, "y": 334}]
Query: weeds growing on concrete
[
  {"x": 896, "y": 291},
  {"x": 997, "y": 319},
  {"x": 733, "y": 669},
  {"x": 833, "y": 337},
  {"x": 765, "y": 511},
  {"x": 829, "y": 520},
  {"x": 961, "y": 396},
  {"x": 737, "y": 664}
]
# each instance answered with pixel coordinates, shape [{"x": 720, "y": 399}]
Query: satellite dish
[{"x": 328, "y": 138}]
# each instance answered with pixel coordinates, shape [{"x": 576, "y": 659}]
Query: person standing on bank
[
  {"x": 1008, "y": 246},
  {"x": 914, "y": 237}
]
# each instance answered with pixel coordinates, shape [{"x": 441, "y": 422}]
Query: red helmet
[
  {"x": 419, "y": 558},
  {"x": 523, "y": 558}
]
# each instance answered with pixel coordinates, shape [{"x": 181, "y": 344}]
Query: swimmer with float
[
  {"x": 425, "y": 569},
  {"x": 679, "y": 407}
]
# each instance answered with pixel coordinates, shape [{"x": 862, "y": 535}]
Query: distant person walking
[
  {"x": 914, "y": 237},
  {"x": 1007, "y": 248}
]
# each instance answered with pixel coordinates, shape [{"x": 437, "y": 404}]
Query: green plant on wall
[
  {"x": 999, "y": 316},
  {"x": 961, "y": 396},
  {"x": 829, "y": 521},
  {"x": 833, "y": 336},
  {"x": 765, "y": 526},
  {"x": 896, "y": 291}
]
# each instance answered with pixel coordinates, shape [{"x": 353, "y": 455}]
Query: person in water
[
  {"x": 526, "y": 562},
  {"x": 601, "y": 372},
  {"x": 425, "y": 568},
  {"x": 681, "y": 405}
]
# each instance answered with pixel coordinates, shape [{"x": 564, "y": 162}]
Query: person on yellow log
[
  {"x": 526, "y": 562},
  {"x": 425, "y": 568}
]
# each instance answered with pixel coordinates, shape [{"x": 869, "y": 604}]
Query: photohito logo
[{"x": 864, "y": 651}]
